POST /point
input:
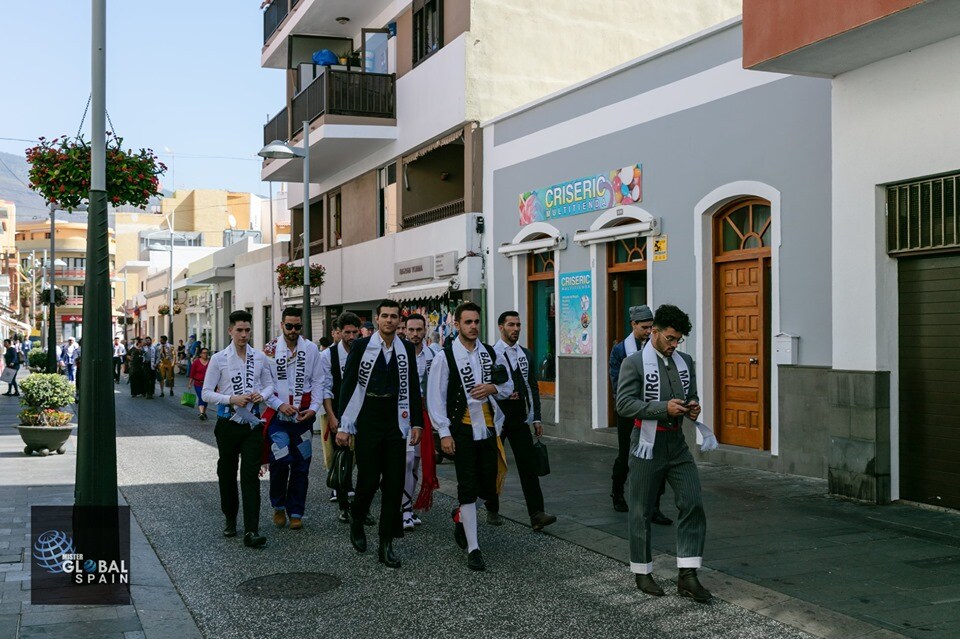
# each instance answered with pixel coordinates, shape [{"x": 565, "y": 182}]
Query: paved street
[{"x": 784, "y": 557}]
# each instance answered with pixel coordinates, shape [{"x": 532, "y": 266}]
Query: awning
[
  {"x": 15, "y": 324},
  {"x": 419, "y": 153},
  {"x": 613, "y": 233},
  {"x": 216, "y": 275},
  {"x": 423, "y": 291}
]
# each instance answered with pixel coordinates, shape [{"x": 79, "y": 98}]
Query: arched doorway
[
  {"x": 626, "y": 287},
  {"x": 742, "y": 241}
]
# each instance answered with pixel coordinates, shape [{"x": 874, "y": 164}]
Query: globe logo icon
[
  {"x": 90, "y": 566},
  {"x": 50, "y": 547}
]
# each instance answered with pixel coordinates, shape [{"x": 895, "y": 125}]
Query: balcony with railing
[
  {"x": 352, "y": 114},
  {"x": 435, "y": 214},
  {"x": 273, "y": 16}
]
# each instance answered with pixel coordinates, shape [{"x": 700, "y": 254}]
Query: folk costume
[
  {"x": 475, "y": 426},
  {"x": 298, "y": 382},
  {"x": 239, "y": 430},
  {"x": 413, "y": 458},
  {"x": 380, "y": 403},
  {"x": 521, "y": 410},
  {"x": 332, "y": 362},
  {"x": 648, "y": 381},
  {"x": 163, "y": 365},
  {"x": 135, "y": 368}
]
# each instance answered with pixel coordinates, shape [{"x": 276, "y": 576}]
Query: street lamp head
[
  {"x": 278, "y": 150},
  {"x": 158, "y": 247}
]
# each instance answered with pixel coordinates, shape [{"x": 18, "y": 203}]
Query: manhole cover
[{"x": 289, "y": 585}]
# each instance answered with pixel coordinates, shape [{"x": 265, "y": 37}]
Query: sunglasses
[{"x": 293, "y": 327}]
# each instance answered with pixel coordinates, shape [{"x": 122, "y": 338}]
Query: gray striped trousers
[{"x": 671, "y": 458}]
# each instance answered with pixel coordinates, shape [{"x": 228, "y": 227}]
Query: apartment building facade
[{"x": 396, "y": 158}]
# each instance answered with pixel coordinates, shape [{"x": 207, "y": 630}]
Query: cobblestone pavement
[{"x": 536, "y": 585}]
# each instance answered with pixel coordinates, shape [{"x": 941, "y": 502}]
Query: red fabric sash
[
  {"x": 428, "y": 466},
  {"x": 637, "y": 423}
]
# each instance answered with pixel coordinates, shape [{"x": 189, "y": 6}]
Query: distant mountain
[
  {"x": 13, "y": 186},
  {"x": 30, "y": 206}
]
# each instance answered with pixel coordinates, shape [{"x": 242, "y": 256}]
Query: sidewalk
[
  {"x": 779, "y": 544},
  {"x": 157, "y": 610}
]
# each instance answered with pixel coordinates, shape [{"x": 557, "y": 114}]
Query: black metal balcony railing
[
  {"x": 345, "y": 93},
  {"x": 277, "y": 128},
  {"x": 437, "y": 213},
  {"x": 273, "y": 16}
]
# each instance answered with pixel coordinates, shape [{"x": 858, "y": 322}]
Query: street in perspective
[{"x": 488, "y": 318}]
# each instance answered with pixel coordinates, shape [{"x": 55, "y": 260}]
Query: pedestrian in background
[
  {"x": 324, "y": 343},
  {"x": 119, "y": 355},
  {"x": 11, "y": 359},
  {"x": 149, "y": 368},
  {"x": 198, "y": 371},
  {"x": 135, "y": 368}
]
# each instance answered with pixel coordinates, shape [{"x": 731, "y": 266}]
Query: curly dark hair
[{"x": 670, "y": 316}]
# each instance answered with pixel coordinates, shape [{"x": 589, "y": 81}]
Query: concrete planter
[{"x": 45, "y": 439}]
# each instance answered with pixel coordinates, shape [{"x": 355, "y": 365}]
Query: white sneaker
[
  {"x": 333, "y": 495},
  {"x": 408, "y": 521},
  {"x": 350, "y": 493},
  {"x": 416, "y": 520}
]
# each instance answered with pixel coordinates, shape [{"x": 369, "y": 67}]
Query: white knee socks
[{"x": 468, "y": 517}]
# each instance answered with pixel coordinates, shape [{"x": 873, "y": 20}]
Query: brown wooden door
[{"x": 742, "y": 325}]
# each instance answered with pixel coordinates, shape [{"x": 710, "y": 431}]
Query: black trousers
[
  {"x": 239, "y": 444},
  {"x": 380, "y": 453},
  {"x": 475, "y": 463},
  {"x": 117, "y": 364},
  {"x": 343, "y": 496},
  {"x": 625, "y": 429},
  {"x": 521, "y": 442},
  {"x": 149, "y": 380}
]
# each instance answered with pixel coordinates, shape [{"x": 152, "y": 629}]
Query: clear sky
[{"x": 182, "y": 75}]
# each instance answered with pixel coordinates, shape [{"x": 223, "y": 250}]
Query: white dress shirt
[
  {"x": 314, "y": 377},
  {"x": 119, "y": 350},
  {"x": 215, "y": 392},
  {"x": 326, "y": 364},
  {"x": 439, "y": 379}
]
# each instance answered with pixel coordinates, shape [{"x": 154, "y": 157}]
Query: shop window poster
[
  {"x": 619, "y": 187},
  {"x": 576, "y": 313}
]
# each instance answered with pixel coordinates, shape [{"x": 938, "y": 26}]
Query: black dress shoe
[
  {"x": 253, "y": 540},
  {"x": 357, "y": 536},
  {"x": 230, "y": 529},
  {"x": 460, "y": 535},
  {"x": 386, "y": 556},
  {"x": 689, "y": 586},
  {"x": 343, "y": 517},
  {"x": 619, "y": 503},
  {"x": 475, "y": 561},
  {"x": 649, "y": 586},
  {"x": 540, "y": 520},
  {"x": 494, "y": 518},
  {"x": 660, "y": 519}
]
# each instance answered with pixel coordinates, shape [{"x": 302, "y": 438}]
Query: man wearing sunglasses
[
  {"x": 293, "y": 408},
  {"x": 658, "y": 390}
]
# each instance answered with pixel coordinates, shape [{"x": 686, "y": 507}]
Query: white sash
[
  {"x": 283, "y": 358},
  {"x": 630, "y": 344},
  {"x": 342, "y": 355},
  {"x": 469, "y": 378},
  {"x": 428, "y": 356},
  {"x": 502, "y": 349},
  {"x": 651, "y": 393},
  {"x": 242, "y": 376},
  {"x": 348, "y": 421}
]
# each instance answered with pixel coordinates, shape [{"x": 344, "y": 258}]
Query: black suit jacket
[{"x": 352, "y": 368}]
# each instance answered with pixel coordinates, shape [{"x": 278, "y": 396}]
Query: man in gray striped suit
[{"x": 658, "y": 389}]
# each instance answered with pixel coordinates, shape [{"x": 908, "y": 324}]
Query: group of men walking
[
  {"x": 383, "y": 395},
  {"x": 372, "y": 390},
  {"x": 148, "y": 364}
]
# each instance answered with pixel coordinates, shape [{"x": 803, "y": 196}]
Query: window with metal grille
[{"x": 922, "y": 215}]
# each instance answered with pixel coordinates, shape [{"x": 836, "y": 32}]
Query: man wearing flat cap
[{"x": 641, "y": 323}]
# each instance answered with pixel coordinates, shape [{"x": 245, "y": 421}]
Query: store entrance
[{"x": 626, "y": 287}]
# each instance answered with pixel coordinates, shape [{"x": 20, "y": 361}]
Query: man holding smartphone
[{"x": 658, "y": 389}]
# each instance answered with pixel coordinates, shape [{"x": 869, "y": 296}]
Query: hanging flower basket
[
  {"x": 130, "y": 321},
  {"x": 60, "y": 172},
  {"x": 291, "y": 276},
  {"x": 177, "y": 308},
  {"x": 59, "y": 297},
  {"x": 163, "y": 309}
]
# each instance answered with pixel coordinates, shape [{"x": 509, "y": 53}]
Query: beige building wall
[
  {"x": 207, "y": 211},
  {"x": 128, "y": 227},
  {"x": 521, "y": 51}
]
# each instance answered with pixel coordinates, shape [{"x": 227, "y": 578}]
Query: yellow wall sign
[{"x": 660, "y": 248}]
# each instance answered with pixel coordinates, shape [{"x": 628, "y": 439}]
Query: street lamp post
[
  {"x": 51, "y": 302},
  {"x": 281, "y": 151}
]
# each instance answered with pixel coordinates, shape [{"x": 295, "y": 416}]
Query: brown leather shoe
[
  {"x": 648, "y": 585},
  {"x": 540, "y": 520},
  {"x": 296, "y": 523},
  {"x": 279, "y": 518}
]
